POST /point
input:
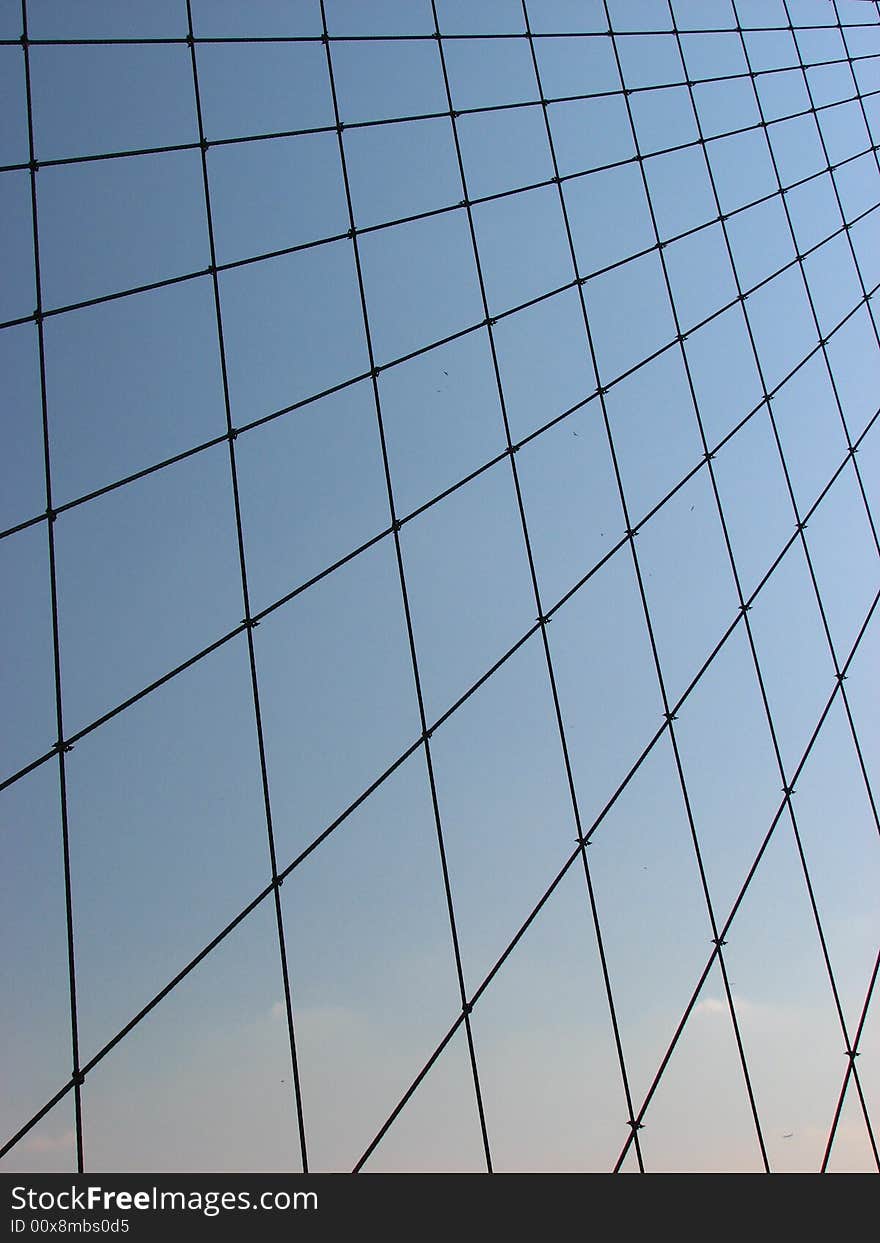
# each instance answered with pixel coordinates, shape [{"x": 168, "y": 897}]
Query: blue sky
[{"x": 166, "y": 811}]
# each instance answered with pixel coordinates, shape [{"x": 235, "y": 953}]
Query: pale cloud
[
  {"x": 49, "y": 1143},
  {"x": 711, "y": 1005}
]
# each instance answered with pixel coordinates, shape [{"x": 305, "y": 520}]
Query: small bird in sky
[{"x": 787, "y": 1134}]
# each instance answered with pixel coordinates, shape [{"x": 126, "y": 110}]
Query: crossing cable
[
  {"x": 395, "y": 526},
  {"x": 855, "y": 259},
  {"x": 262, "y": 420},
  {"x": 533, "y": 575},
  {"x": 801, "y": 530},
  {"x": 181, "y": 278},
  {"x": 804, "y": 544},
  {"x": 411, "y": 749},
  {"x": 61, "y": 748},
  {"x": 248, "y": 621},
  {"x": 695, "y": 837},
  {"x": 846, "y": 1078},
  {"x": 551, "y": 888},
  {"x": 39, "y": 320},
  {"x": 489, "y": 36},
  {"x": 376, "y": 122},
  {"x": 873, "y": 320},
  {"x": 631, "y": 531},
  {"x": 281, "y": 601},
  {"x": 753, "y": 869},
  {"x": 843, "y": 27},
  {"x": 748, "y": 626}
]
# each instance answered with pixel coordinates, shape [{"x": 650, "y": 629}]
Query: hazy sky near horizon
[{"x": 167, "y": 824}]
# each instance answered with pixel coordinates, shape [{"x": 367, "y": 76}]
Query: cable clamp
[
  {"x": 52, "y": 514},
  {"x": 249, "y": 623},
  {"x": 65, "y": 747},
  {"x": 544, "y": 619},
  {"x": 396, "y": 525},
  {"x": 718, "y": 942},
  {"x": 709, "y": 456},
  {"x": 788, "y": 791},
  {"x": 204, "y": 144},
  {"x": 491, "y": 321},
  {"x": 467, "y": 1007},
  {"x": 802, "y": 526},
  {"x": 78, "y": 1078},
  {"x": 34, "y": 166},
  {"x": 635, "y": 1126},
  {"x": 670, "y": 717},
  {"x": 841, "y": 677},
  {"x": 632, "y": 532},
  {"x": 189, "y": 41}
]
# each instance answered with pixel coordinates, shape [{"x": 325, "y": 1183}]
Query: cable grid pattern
[{"x": 675, "y": 205}]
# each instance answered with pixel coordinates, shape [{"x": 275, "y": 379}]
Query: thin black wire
[
  {"x": 170, "y": 148},
  {"x": 286, "y": 598},
  {"x": 415, "y": 745},
  {"x": 533, "y": 576},
  {"x": 261, "y": 421},
  {"x": 749, "y": 632},
  {"x": 670, "y": 717},
  {"x": 558, "y": 878},
  {"x": 756, "y": 863},
  {"x": 855, "y": 259},
  {"x": 801, "y": 527},
  {"x": 60, "y": 748},
  {"x": 804, "y": 544},
  {"x": 248, "y": 621},
  {"x": 166, "y": 282},
  {"x": 846, "y": 1078},
  {"x": 395, "y": 527},
  {"x": 147, "y": 40}
]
